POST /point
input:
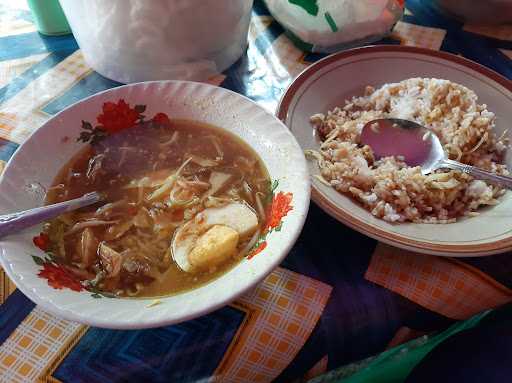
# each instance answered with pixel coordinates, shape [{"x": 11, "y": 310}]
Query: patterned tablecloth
[{"x": 325, "y": 308}]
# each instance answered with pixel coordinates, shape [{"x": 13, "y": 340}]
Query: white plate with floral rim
[
  {"x": 38, "y": 160},
  {"x": 331, "y": 81}
]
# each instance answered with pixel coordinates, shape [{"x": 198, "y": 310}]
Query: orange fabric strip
[{"x": 443, "y": 285}]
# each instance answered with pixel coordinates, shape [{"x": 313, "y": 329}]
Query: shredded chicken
[
  {"x": 95, "y": 165},
  {"x": 92, "y": 223},
  {"x": 173, "y": 139},
  {"x": 108, "y": 207},
  {"x": 87, "y": 247},
  {"x": 110, "y": 259},
  {"x": 259, "y": 205},
  {"x": 169, "y": 183},
  {"x": 205, "y": 162}
]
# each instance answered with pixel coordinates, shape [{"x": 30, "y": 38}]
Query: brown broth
[{"x": 131, "y": 155}]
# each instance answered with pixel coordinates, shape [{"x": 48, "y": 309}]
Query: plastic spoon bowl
[{"x": 15, "y": 222}]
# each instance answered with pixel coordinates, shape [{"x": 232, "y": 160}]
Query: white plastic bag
[
  {"x": 329, "y": 25},
  {"x": 140, "y": 40}
]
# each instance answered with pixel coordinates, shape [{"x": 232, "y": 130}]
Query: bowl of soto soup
[{"x": 204, "y": 193}]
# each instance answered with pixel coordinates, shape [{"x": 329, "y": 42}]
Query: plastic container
[
  {"x": 326, "y": 26},
  {"x": 49, "y": 18},
  {"x": 141, "y": 40}
]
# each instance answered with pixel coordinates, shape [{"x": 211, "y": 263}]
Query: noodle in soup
[{"x": 183, "y": 205}]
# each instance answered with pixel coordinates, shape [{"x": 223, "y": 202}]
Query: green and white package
[{"x": 330, "y": 25}]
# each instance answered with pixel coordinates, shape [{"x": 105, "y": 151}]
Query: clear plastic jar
[{"x": 141, "y": 40}]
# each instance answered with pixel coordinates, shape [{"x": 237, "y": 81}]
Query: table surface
[{"x": 360, "y": 318}]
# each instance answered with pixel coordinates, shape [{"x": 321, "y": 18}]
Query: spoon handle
[
  {"x": 478, "y": 173},
  {"x": 11, "y": 223}
]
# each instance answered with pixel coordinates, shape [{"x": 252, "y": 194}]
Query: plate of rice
[{"x": 466, "y": 105}]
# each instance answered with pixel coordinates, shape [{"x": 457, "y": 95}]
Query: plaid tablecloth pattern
[{"x": 444, "y": 285}]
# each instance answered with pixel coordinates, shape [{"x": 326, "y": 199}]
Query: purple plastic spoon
[{"x": 15, "y": 222}]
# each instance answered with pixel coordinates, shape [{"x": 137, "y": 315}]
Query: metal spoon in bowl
[
  {"x": 419, "y": 146},
  {"x": 15, "y": 222}
]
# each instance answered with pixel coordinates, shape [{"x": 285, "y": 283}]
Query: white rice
[{"x": 389, "y": 188}]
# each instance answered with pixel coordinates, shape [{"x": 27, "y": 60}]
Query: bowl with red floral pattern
[{"x": 205, "y": 193}]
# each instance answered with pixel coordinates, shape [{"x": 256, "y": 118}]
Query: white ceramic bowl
[
  {"x": 38, "y": 160},
  {"x": 336, "y": 78}
]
